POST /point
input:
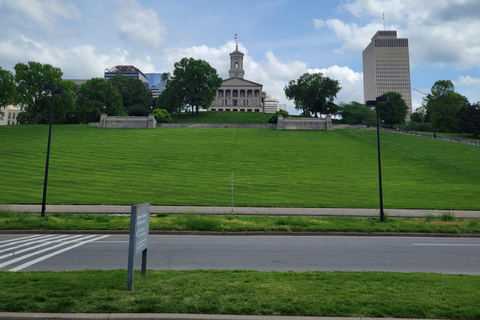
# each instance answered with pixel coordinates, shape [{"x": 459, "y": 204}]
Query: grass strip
[
  {"x": 445, "y": 223},
  {"x": 339, "y": 294}
]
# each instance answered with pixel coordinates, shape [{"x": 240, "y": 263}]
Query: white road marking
[
  {"x": 44, "y": 250},
  {"x": 43, "y": 239},
  {"x": 58, "y": 239},
  {"x": 19, "y": 240},
  {"x": 23, "y": 266}
]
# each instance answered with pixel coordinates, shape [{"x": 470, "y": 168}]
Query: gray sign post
[{"x": 139, "y": 227}]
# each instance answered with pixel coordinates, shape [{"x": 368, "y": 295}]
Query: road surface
[{"x": 263, "y": 253}]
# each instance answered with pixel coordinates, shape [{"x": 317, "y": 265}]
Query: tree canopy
[
  {"x": 394, "y": 111},
  {"x": 469, "y": 119},
  {"x": 30, "y": 79},
  {"x": 313, "y": 94},
  {"x": 443, "y": 105},
  {"x": 8, "y": 92},
  {"x": 195, "y": 83},
  {"x": 97, "y": 96},
  {"x": 357, "y": 113},
  {"x": 137, "y": 99}
]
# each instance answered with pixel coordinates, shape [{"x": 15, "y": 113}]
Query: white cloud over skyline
[{"x": 83, "y": 38}]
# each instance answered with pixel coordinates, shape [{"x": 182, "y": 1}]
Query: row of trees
[
  {"x": 194, "y": 85},
  {"x": 444, "y": 110},
  {"x": 79, "y": 104},
  {"x": 314, "y": 94}
]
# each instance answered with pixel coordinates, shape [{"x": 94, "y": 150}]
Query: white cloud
[
  {"x": 81, "y": 61},
  {"x": 273, "y": 73},
  {"x": 45, "y": 13},
  {"x": 139, "y": 25},
  {"x": 442, "y": 34},
  {"x": 350, "y": 81}
]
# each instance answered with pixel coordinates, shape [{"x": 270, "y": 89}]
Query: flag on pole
[{"x": 235, "y": 36}]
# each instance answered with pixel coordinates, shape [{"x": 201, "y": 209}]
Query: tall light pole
[
  {"x": 380, "y": 192},
  {"x": 53, "y": 89}
]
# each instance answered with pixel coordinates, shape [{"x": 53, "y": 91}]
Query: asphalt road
[{"x": 264, "y": 253}]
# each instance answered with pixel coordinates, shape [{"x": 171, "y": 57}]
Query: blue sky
[{"x": 281, "y": 39}]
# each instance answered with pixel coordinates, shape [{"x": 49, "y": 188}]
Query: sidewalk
[{"x": 107, "y": 209}]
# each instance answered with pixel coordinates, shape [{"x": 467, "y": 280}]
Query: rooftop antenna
[{"x": 236, "y": 42}]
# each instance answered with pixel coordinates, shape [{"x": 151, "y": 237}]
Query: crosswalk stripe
[
  {"x": 16, "y": 240},
  {"x": 27, "y": 264},
  {"x": 40, "y": 251},
  {"x": 37, "y": 240},
  {"x": 43, "y": 244}
]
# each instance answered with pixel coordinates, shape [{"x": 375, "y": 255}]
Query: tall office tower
[{"x": 386, "y": 67}]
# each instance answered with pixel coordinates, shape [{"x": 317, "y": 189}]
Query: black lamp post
[
  {"x": 375, "y": 103},
  {"x": 53, "y": 89}
]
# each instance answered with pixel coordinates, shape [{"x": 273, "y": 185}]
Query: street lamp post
[
  {"x": 380, "y": 192},
  {"x": 53, "y": 89}
]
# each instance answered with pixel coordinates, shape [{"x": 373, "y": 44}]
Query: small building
[
  {"x": 127, "y": 71},
  {"x": 236, "y": 93},
  {"x": 271, "y": 104},
  {"x": 10, "y": 116}
]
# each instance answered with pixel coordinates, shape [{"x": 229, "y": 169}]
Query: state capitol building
[{"x": 237, "y": 93}]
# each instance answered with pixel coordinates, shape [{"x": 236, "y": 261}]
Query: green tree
[
  {"x": 97, "y": 96},
  {"x": 195, "y": 83},
  {"x": 357, "y": 113},
  {"x": 313, "y": 93},
  {"x": 394, "y": 111},
  {"x": 137, "y": 99},
  {"x": 30, "y": 79},
  {"x": 169, "y": 100},
  {"x": 162, "y": 115},
  {"x": 443, "y": 105},
  {"x": 469, "y": 119},
  {"x": 420, "y": 115},
  {"x": 274, "y": 117},
  {"x": 8, "y": 92}
]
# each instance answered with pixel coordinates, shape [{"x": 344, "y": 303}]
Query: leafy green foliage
[
  {"x": 274, "y": 117},
  {"x": 195, "y": 83},
  {"x": 313, "y": 93},
  {"x": 8, "y": 92},
  {"x": 162, "y": 115},
  {"x": 357, "y": 113},
  {"x": 137, "y": 99},
  {"x": 394, "y": 111},
  {"x": 30, "y": 79},
  {"x": 469, "y": 119},
  {"x": 97, "y": 96},
  {"x": 443, "y": 105}
]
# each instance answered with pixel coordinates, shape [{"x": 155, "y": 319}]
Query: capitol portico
[{"x": 236, "y": 93}]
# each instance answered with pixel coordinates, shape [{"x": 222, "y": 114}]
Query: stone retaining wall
[
  {"x": 289, "y": 123},
  {"x": 147, "y": 122}
]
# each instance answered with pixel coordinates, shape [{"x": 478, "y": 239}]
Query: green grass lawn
[
  {"x": 222, "y": 117},
  {"x": 334, "y": 294},
  {"x": 193, "y": 166}
]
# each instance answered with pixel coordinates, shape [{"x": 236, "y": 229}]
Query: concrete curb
[{"x": 164, "y": 316}]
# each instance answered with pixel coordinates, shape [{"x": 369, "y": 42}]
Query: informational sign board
[{"x": 139, "y": 227}]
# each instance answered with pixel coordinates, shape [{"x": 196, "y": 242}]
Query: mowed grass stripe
[{"x": 193, "y": 166}]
